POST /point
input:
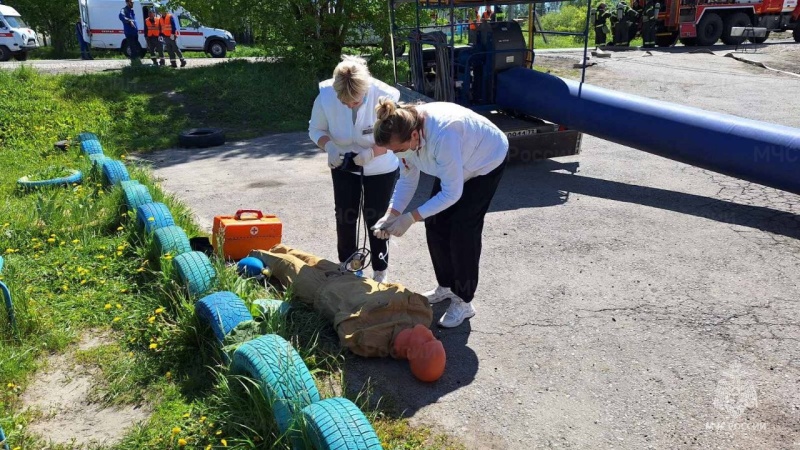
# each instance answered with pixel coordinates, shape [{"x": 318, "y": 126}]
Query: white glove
[
  {"x": 364, "y": 157},
  {"x": 335, "y": 157},
  {"x": 400, "y": 224},
  {"x": 172, "y": 37},
  {"x": 379, "y": 229}
]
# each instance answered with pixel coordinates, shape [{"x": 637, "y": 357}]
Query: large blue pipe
[{"x": 755, "y": 151}]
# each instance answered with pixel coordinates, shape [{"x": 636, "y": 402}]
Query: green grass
[
  {"x": 242, "y": 51},
  {"x": 76, "y": 264}
]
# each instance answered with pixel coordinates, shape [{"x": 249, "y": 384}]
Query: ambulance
[
  {"x": 104, "y": 29},
  {"x": 16, "y": 39}
]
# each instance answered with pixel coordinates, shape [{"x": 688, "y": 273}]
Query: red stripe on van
[
  {"x": 6, "y": 34},
  {"x": 190, "y": 33},
  {"x": 105, "y": 31}
]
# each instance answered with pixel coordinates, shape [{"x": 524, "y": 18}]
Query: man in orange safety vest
[
  {"x": 152, "y": 33},
  {"x": 169, "y": 29}
]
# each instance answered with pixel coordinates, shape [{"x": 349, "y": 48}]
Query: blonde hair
[
  {"x": 351, "y": 79},
  {"x": 395, "y": 121}
]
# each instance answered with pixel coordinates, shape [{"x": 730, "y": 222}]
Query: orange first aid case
[{"x": 248, "y": 230}]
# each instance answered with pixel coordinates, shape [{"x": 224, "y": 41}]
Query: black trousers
[
  {"x": 455, "y": 234},
  {"x": 347, "y": 191}
]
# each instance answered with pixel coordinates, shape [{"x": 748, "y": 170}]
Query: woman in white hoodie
[{"x": 341, "y": 122}]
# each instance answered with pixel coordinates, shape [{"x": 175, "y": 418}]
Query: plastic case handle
[{"x": 259, "y": 214}]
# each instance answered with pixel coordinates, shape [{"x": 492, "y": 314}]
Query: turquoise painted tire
[
  {"x": 136, "y": 195},
  {"x": 222, "y": 311},
  {"x": 158, "y": 212},
  {"x": 338, "y": 424},
  {"x": 91, "y": 147},
  {"x": 76, "y": 176},
  {"x": 280, "y": 372},
  {"x": 86, "y": 136},
  {"x": 172, "y": 240},
  {"x": 114, "y": 171},
  {"x": 128, "y": 183},
  {"x": 195, "y": 272},
  {"x": 97, "y": 159}
]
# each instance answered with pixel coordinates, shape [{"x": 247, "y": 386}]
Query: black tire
[
  {"x": 217, "y": 49},
  {"x": 222, "y": 311},
  {"x": 171, "y": 240},
  {"x": 338, "y": 424},
  {"x": 738, "y": 19},
  {"x": 158, "y": 212},
  {"x": 759, "y": 40},
  {"x": 91, "y": 147},
  {"x": 5, "y": 53},
  {"x": 114, "y": 172},
  {"x": 201, "y": 138},
  {"x": 667, "y": 40},
  {"x": 709, "y": 30},
  {"x": 195, "y": 272},
  {"x": 281, "y": 373},
  {"x": 76, "y": 176},
  {"x": 688, "y": 42},
  {"x": 796, "y": 33},
  {"x": 21, "y": 56},
  {"x": 136, "y": 195}
]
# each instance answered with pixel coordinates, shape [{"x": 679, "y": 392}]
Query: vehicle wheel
[
  {"x": 217, "y": 49},
  {"x": 86, "y": 136},
  {"x": 759, "y": 40},
  {"x": 5, "y": 53},
  {"x": 739, "y": 19},
  {"x": 158, "y": 212},
  {"x": 136, "y": 195},
  {"x": 222, "y": 311},
  {"x": 172, "y": 240},
  {"x": 667, "y": 40},
  {"x": 195, "y": 272},
  {"x": 338, "y": 424},
  {"x": 688, "y": 42},
  {"x": 709, "y": 30},
  {"x": 281, "y": 373},
  {"x": 21, "y": 56},
  {"x": 201, "y": 138},
  {"x": 92, "y": 147},
  {"x": 114, "y": 171},
  {"x": 796, "y": 33},
  {"x": 75, "y": 176}
]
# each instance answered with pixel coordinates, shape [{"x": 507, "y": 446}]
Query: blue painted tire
[
  {"x": 222, "y": 311},
  {"x": 280, "y": 372},
  {"x": 114, "y": 171},
  {"x": 91, "y": 147},
  {"x": 195, "y": 272},
  {"x": 128, "y": 183},
  {"x": 97, "y": 159},
  {"x": 156, "y": 211},
  {"x": 172, "y": 240},
  {"x": 136, "y": 195},
  {"x": 338, "y": 424},
  {"x": 86, "y": 136},
  {"x": 76, "y": 176}
]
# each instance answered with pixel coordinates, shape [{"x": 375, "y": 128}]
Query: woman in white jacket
[{"x": 341, "y": 122}]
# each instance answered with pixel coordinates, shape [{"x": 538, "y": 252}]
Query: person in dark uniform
[
  {"x": 601, "y": 16},
  {"x": 81, "y": 41},
  {"x": 649, "y": 24}
]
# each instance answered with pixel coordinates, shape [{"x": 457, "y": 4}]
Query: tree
[{"x": 53, "y": 18}]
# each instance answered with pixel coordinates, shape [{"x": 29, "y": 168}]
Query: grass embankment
[
  {"x": 242, "y": 51},
  {"x": 75, "y": 263}
]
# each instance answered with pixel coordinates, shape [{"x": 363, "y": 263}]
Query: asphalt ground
[{"x": 625, "y": 301}]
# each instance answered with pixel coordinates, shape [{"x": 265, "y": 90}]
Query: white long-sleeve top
[
  {"x": 457, "y": 144},
  {"x": 331, "y": 118}
]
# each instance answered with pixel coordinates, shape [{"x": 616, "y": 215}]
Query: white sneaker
[
  {"x": 381, "y": 276},
  {"x": 456, "y": 313},
  {"x": 438, "y": 294}
]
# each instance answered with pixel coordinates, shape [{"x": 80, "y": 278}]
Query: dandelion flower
[
  {"x": 120, "y": 228},
  {"x": 6, "y": 224},
  {"x": 208, "y": 447},
  {"x": 100, "y": 256},
  {"x": 159, "y": 310},
  {"x": 52, "y": 235},
  {"x": 65, "y": 288},
  {"x": 140, "y": 269},
  {"x": 151, "y": 219},
  {"x": 11, "y": 385},
  {"x": 51, "y": 240},
  {"x": 186, "y": 415},
  {"x": 168, "y": 375},
  {"x": 121, "y": 247},
  {"x": 9, "y": 250},
  {"x": 119, "y": 306},
  {"x": 123, "y": 291},
  {"x": 224, "y": 442},
  {"x": 116, "y": 319},
  {"x": 176, "y": 430},
  {"x": 151, "y": 319},
  {"x": 153, "y": 346},
  {"x": 130, "y": 354},
  {"x": 75, "y": 241},
  {"x": 108, "y": 306},
  {"x": 202, "y": 419},
  {"x": 119, "y": 253},
  {"x": 122, "y": 156},
  {"x": 218, "y": 432},
  {"x": 181, "y": 442}
]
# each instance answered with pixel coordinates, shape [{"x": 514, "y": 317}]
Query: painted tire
[
  {"x": 338, "y": 424},
  {"x": 128, "y": 183},
  {"x": 172, "y": 240},
  {"x": 195, "y": 272},
  {"x": 136, "y": 195},
  {"x": 158, "y": 212},
  {"x": 222, "y": 311},
  {"x": 86, "y": 136},
  {"x": 280, "y": 371},
  {"x": 114, "y": 171},
  {"x": 76, "y": 176},
  {"x": 91, "y": 147},
  {"x": 97, "y": 159}
]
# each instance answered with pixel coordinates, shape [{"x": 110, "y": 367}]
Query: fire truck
[{"x": 704, "y": 22}]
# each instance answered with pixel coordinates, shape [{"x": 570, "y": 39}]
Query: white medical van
[
  {"x": 104, "y": 29},
  {"x": 16, "y": 39}
]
